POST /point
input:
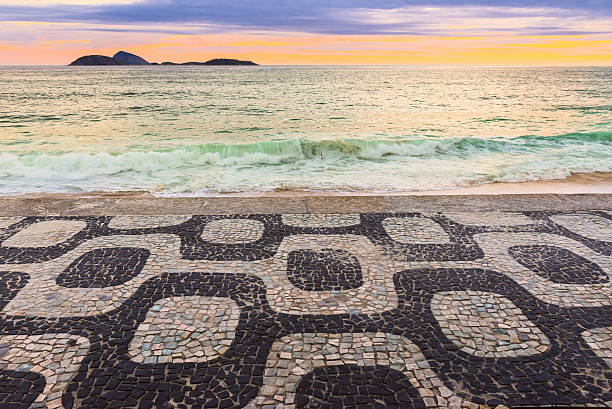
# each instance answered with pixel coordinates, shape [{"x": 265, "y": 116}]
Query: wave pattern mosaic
[{"x": 437, "y": 310}]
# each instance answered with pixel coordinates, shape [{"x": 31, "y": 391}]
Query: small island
[
  {"x": 125, "y": 58},
  {"x": 96, "y": 60},
  {"x": 130, "y": 59},
  {"x": 226, "y": 61}
]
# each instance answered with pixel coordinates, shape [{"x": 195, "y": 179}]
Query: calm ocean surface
[{"x": 195, "y": 130}]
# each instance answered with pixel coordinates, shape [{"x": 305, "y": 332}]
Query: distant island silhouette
[
  {"x": 96, "y": 60},
  {"x": 216, "y": 61},
  {"x": 125, "y": 58},
  {"x": 130, "y": 59}
]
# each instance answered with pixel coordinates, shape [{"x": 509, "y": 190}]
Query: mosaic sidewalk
[{"x": 422, "y": 310}]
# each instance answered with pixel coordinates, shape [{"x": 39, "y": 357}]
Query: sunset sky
[{"x": 417, "y": 32}]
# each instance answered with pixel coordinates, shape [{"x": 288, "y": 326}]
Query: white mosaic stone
[
  {"x": 489, "y": 218},
  {"x": 233, "y": 231},
  {"x": 487, "y": 324},
  {"x": 185, "y": 329},
  {"x": 42, "y": 296},
  {"x": 377, "y": 294},
  {"x": 45, "y": 234},
  {"x": 497, "y": 257},
  {"x": 415, "y": 230},
  {"x": 600, "y": 341},
  {"x": 296, "y": 355},
  {"x": 587, "y": 225},
  {"x": 9, "y": 221},
  {"x": 146, "y": 222},
  {"x": 321, "y": 220},
  {"x": 50, "y": 355}
]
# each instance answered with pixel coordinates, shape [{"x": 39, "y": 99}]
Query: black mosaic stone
[
  {"x": 599, "y": 246},
  {"x": 233, "y": 379},
  {"x": 462, "y": 245},
  {"x": 324, "y": 270},
  {"x": 364, "y": 387},
  {"x": 10, "y": 284},
  {"x": 193, "y": 247},
  {"x": 19, "y": 389},
  {"x": 535, "y": 380},
  {"x": 104, "y": 267},
  {"x": 558, "y": 265},
  {"x": 20, "y": 255},
  {"x": 568, "y": 374}
]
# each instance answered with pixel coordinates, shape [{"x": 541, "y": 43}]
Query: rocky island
[
  {"x": 96, "y": 60},
  {"x": 226, "y": 61},
  {"x": 125, "y": 58},
  {"x": 130, "y": 59}
]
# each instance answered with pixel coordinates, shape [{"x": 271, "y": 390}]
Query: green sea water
[{"x": 202, "y": 130}]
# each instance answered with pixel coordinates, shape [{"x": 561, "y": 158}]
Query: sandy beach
[
  {"x": 583, "y": 183},
  {"x": 598, "y": 182},
  {"x": 582, "y": 191}
]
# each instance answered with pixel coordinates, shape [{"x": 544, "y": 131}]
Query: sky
[{"x": 377, "y": 32}]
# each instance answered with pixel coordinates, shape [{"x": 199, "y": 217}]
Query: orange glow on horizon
[{"x": 311, "y": 49}]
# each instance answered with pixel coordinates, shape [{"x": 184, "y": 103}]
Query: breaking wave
[{"x": 290, "y": 151}]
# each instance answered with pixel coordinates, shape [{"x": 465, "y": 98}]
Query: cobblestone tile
[
  {"x": 454, "y": 243},
  {"x": 146, "y": 222},
  {"x": 229, "y": 238},
  {"x": 376, "y": 294},
  {"x": 296, "y": 355},
  {"x": 460, "y": 310},
  {"x": 409, "y": 230},
  {"x": 536, "y": 380},
  {"x": 53, "y": 291},
  {"x": 558, "y": 265},
  {"x": 233, "y": 231},
  {"x": 490, "y": 218},
  {"x": 55, "y": 356},
  {"x": 487, "y": 324},
  {"x": 321, "y": 220},
  {"x": 588, "y": 225},
  {"x": 324, "y": 270},
  {"x": 497, "y": 256},
  {"x": 185, "y": 329},
  {"x": 600, "y": 341},
  {"x": 9, "y": 221},
  {"x": 105, "y": 267},
  {"x": 45, "y": 233}
]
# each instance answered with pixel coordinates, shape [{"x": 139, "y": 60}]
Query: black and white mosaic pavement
[{"x": 474, "y": 309}]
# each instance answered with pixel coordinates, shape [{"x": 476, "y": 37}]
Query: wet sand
[
  {"x": 578, "y": 192},
  {"x": 583, "y": 183},
  {"x": 575, "y": 184}
]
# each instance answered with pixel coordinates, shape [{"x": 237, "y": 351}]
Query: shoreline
[
  {"x": 577, "y": 192},
  {"x": 580, "y": 183}
]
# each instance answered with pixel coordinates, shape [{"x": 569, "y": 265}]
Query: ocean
[{"x": 206, "y": 130}]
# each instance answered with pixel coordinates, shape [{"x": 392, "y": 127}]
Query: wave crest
[{"x": 258, "y": 165}]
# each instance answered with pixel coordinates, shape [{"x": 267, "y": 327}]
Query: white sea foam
[
  {"x": 379, "y": 129},
  {"x": 407, "y": 164}
]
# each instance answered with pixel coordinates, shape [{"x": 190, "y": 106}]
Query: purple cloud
[{"x": 314, "y": 16}]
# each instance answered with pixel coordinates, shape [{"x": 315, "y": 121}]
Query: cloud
[
  {"x": 479, "y": 19},
  {"x": 62, "y": 3},
  {"x": 329, "y": 16}
]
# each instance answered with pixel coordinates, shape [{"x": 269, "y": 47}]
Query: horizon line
[{"x": 312, "y": 65}]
